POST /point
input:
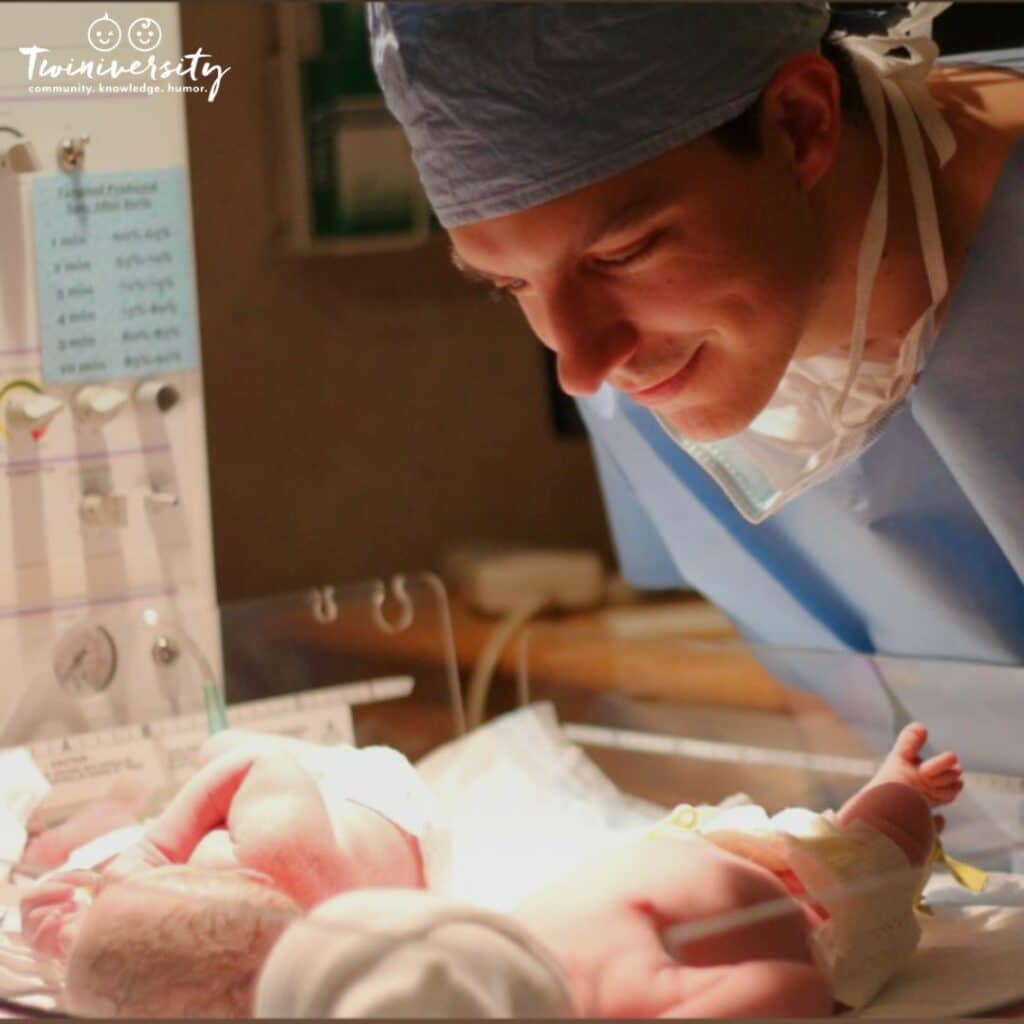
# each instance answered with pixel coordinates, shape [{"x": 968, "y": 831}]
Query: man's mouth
[{"x": 668, "y": 387}]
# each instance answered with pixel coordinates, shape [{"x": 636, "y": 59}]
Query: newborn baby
[
  {"x": 618, "y": 927},
  {"x": 609, "y": 925}
]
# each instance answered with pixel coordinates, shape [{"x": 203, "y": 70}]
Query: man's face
[{"x": 686, "y": 283}]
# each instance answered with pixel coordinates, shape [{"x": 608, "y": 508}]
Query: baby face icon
[
  {"x": 104, "y": 34},
  {"x": 144, "y": 34}
]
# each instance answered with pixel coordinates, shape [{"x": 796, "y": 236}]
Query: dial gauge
[{"x": 85, "y": 661}]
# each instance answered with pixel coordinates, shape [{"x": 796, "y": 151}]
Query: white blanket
[{"x": 971, "y": 957}]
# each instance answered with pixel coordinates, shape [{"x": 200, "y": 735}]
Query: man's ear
[{"x": 800, "y": 112}]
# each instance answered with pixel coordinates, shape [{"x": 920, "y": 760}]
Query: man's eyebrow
[
  {"x": 623, "y": 218},
  {"x": 627, "y": 216}
]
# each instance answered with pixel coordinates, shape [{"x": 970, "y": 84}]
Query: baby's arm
[
  {"x": 278, "y": 826},
  {"x": 254, "y": 807},
  {"x": 263, "y": 811},
  {"x": 378, "y": 851},
  {"x": 50, "y": 912},
  {"x": 260, "y": 812},
  {"x": 199, "y": 807}
]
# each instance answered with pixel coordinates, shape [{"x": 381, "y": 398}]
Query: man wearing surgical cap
[{"x": 779, "y": 263}]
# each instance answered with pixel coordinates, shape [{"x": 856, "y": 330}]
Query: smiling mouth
[{"x": 667, "y": 389}]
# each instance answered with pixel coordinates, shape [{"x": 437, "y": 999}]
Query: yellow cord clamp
[{"x": 967, "y": 875}]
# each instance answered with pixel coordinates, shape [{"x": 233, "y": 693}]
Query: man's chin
[{"x": 702, "y": 427}]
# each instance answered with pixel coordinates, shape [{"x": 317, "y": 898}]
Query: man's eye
[{"x": 624, "y": 256}]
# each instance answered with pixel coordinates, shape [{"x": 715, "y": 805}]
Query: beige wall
[{"x": 362, "y": 411}]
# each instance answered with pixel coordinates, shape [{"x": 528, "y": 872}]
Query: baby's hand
[
  {"x": 939, "y": 779},
  {"x": 51, "y": 848},
  {"x": 52, "y": 911}
]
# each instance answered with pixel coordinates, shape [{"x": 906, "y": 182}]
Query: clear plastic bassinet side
[
  {"x": 613, "y": 732},
  {"x": 398, "y": 629},
  {"x": 672, "y": 720}
]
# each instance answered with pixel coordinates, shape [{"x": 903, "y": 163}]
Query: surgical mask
[{"x": 829, "y": 408}]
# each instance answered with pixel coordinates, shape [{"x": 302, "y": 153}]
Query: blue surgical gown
[{"x": 915, "y": 549}]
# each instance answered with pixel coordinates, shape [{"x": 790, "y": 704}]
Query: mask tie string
[{"x": 895, "y": 67}]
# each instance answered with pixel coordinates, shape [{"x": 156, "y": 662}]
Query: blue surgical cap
[{"x": 509, "y": 105}]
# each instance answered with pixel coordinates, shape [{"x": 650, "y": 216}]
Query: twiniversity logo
[{"x": 192, "y": 72}]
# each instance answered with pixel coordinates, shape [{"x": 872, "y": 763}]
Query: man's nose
[{"x": 589, "y": 336}]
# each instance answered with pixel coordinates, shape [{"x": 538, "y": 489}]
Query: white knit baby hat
[{"x": 409, "y": 953}]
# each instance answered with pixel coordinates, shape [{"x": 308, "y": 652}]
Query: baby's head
[{"x": 175, "y": 942}]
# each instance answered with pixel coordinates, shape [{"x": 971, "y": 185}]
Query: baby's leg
[
  {"x": 897, "y": 811},
  {"x": 279, "y": 826}
]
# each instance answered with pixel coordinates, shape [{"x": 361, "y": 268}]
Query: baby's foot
[{"x": 938, "y": 780}]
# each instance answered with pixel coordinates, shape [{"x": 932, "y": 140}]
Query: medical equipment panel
[{"x": 104, "y": 500}]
